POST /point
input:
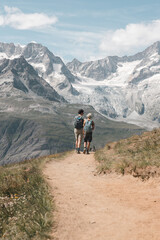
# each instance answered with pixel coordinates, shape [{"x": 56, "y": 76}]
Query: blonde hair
[{"x": 89, "y": 115}]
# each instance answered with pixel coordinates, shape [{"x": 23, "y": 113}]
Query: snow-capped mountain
[
  {"x": 35, "y": 118},
  {"x": 123, "y": 88},
  {"x": 18, "y": 78},
  {"x": 97, "y": 70},
  {"x": 48, "y": 66}
]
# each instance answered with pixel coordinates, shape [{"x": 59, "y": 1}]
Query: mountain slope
[
  {"x": 125, "y": 88},
  {"x": 17, "y": 77},
  {"x": 137, "y": 155},
  {"x": 29, "y": 128},
  {"x": 121, "y": 88},
  {"x": 48, "y": 66},
  {"x": 35, "y": 119},
  {"x": 99, "y": 69}
]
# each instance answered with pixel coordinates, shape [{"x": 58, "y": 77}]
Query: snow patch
[
  {"x": 3, "y": 55},
  {"x": 39, "y": 66},
  {"x": 57, "y": 68}
]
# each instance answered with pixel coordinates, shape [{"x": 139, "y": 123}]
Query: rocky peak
[
  {"x": 34, "y": 50},
  {"x": 155, "y": 48},
  {"x": 98, "y": 69},
  {"x": 23, "y": 77},
  {"x": 48, "y": 66},
  {"x": 75, "y": 61},
  {"x": 18, "y": 64},
  {"x": 74, "y": 65},
  {"x": 36, "y": 54},
  {"x": 10, "y": 49}
]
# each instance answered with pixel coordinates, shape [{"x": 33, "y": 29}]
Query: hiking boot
[
  {"x": 78, "y": 150},
  {"x": 84, "y": 151},
  {"x": 87, "y": 151}
]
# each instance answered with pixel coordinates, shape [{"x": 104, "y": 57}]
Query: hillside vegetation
[
  {"x": 137, "y": 155},
  {"x": 26, "y": 205}
]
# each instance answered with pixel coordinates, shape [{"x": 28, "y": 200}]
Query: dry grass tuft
[
  {"x": 137, "y": 155},
  {"x": 26, "y": 206}
]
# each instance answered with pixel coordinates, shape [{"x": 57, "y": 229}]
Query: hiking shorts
[
  {"x": 88, "y": 137},
  {"x": 78, "y": 133}
]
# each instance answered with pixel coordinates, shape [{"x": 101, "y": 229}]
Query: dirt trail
[{"x": 101, "y": 207}]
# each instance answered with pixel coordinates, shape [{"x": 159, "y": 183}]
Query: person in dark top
[{"x": 78, "y": 129}]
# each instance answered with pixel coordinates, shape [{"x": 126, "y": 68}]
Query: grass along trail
[{"x": 101, "y": 207}]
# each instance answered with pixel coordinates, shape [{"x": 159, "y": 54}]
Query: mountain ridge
[
  {"x": 28, "y": 99},
  {"x": 48, "y": 66},
  {"x": 22, "y": 76},
  {"x": 122, "y": 88}
]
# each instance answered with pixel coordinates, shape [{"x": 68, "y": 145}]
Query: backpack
[
  {"x": 88, "y": 126},
  {"x": 78, "y": 122}
]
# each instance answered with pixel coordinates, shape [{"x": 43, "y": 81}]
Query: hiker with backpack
[
  {"x": 88, "y": 128},
  {"x": 78, "y": 129}
]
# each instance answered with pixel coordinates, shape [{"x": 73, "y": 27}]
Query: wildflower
[{"x": 15, "y": 196}]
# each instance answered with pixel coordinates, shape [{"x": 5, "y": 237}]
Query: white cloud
[
  {"x": 11, "y": 9},
  {"x": 15, "y": 18},
  {"x": 77, "y": 44},
  {"x": 1, "y": 21},
  {"x": 131, "y": 38}
]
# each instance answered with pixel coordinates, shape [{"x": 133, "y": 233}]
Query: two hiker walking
[{"x": 83, "y": 129}]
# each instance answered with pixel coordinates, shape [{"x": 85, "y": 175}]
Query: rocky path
[{"x": 101, "y": 207}]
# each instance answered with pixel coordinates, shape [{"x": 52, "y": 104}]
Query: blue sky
[{"x": 82, "y": 29}]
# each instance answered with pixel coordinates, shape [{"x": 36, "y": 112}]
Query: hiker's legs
[
  {"x": 76, "y": 143},
  {"x": 89, "y": 141},
  {"x": 88, "y": 145},
  {"x": 79, "y": 141},
  {"x": 85, "y": 147},
  {"x": 85, "y": 143},
  {"x": 78, "y": 137}
]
